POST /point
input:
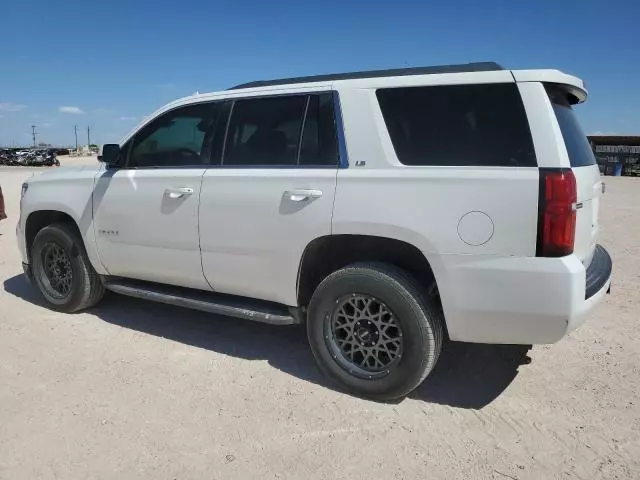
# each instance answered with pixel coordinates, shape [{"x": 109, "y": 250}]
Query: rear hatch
[{"x": 586, "y": 171}]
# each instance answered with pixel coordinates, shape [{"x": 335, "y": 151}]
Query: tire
[
  {"x": 85, "y": 288},
  {"x": 419, "y": 329}
]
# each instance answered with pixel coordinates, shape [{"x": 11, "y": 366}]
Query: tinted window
[
  {"x": 219, "y": 132},
  {"x": 265, "y": 131},
  {"x": 176, "y": 138},
  {"x": 578, "y": 148},
  {"x": 319, "y": 144},
  {"x": 473, "y": 125}
]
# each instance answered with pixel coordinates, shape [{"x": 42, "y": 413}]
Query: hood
[{"x": 65, "y": 172}]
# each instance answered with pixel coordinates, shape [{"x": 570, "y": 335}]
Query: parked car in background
[
  {"x": 29, "y": 157},
  {"x": 387, "y": 210},
  {"x": 633, "y": 169}
]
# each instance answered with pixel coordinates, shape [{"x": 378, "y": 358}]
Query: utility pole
[
  {"x": 75, "y": 132},
  {"x": 88, "y": 136},
  {"x": 33, "y": 134}
]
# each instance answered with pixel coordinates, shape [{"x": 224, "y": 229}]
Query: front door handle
[
  {"x": 302, "y": 195},
  {"x": 178, "y": 192}
]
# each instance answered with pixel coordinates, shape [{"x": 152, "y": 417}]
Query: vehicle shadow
[
  {"x": 472, "y": 375},
  {"x": 466, "y": 376}
]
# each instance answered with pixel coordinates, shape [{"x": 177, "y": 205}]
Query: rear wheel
[
  {"x": 373, "y": 331},
  {"x": 62, "y": 271}
]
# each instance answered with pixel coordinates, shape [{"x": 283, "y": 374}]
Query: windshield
[{"x": 578, "y": 148}]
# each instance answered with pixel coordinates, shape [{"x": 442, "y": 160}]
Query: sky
[{"x": 108, "y": 64}]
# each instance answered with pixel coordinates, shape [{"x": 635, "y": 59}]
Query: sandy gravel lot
[{"x": 138, "y": 390}]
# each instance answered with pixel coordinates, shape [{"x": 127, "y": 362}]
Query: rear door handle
[
  {"x": 178, "y": 192},
  {"x": 302, "y": 195}
]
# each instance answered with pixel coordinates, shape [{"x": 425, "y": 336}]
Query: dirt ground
[{"x": 137, "y": 390}]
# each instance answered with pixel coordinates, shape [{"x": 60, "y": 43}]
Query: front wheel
[
  {"x": 373, "y": 331},
  {"x": 62, "y": 271}
]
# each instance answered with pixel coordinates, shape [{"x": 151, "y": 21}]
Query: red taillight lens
[{"x": 557, "y": 210}]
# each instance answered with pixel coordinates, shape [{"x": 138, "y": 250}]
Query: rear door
[
  {"x": 586, "y": 171},
  {"x": 270, "y": 196}
]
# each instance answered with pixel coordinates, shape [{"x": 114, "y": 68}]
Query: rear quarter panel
[
  {"x": 425, "y": 206},
  {"x": 452, "y": 214}
]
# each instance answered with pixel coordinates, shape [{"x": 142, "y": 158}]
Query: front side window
[
  {"x": 176, "y": 138},
  {"x": 458, "y": 125}
]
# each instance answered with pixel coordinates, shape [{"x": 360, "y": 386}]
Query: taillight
[{"x": 556, "y": 213}]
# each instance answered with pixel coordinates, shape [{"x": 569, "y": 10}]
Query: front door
[
  {"x": 271, "y": 196},
  {"x": 146, "y": 225},
  {"x": 146, "y": 212}
]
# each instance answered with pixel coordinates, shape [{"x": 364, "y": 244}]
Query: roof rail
[{"x": 395, "y": 72}]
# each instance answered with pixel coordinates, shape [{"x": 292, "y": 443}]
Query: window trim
[
  {"x": 343, "y": 155},
  {"x": 338, "y": 125}
]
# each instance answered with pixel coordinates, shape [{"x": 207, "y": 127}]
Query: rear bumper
[
  {"x": 520, "y": 300},
  {"x": 599, "y": 272},
  {"x": 597, "y": 285}
]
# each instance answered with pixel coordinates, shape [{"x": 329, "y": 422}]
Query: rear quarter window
[
  {"x": 458, "y": 125},
  {"x": 578, "y": 148}
]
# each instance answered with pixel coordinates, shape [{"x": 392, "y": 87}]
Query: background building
[{"x": 617, "y": 154}]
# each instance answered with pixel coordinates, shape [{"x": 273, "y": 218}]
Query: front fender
[{"x": 70, "y": 194}]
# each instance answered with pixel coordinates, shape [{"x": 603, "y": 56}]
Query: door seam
[{"x": 198, "y": 228}]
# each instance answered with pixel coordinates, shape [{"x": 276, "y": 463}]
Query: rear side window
[
  {"x": 283, "y": 131},
  {"x": 319, "y": 145},
  {"x": 578, "y": 148},
  {"x": 265, "y": 131},
  {"x": 458, "y": 125}
]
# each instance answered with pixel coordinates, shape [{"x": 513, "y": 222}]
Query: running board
[{"x": 219, "y": 304}]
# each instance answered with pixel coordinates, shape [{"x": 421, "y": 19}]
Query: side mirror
[{"x": 110, "y": 154}]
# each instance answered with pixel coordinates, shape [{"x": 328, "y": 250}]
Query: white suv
[{"x": 386, "y": 210}]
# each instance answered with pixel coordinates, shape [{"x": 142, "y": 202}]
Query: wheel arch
[
  {"x": 327, "y": 254},
  {"x": 38, "y": 219}
]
